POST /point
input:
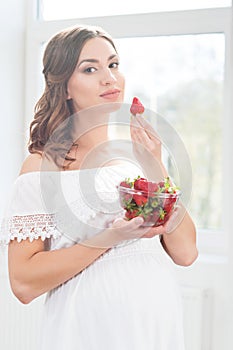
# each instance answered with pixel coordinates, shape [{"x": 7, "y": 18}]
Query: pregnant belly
[
  {"x": 129, "y": 294},
  {"x": 137, "y": 274}
]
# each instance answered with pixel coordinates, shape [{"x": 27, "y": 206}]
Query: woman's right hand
[{"x": 120, "y": 230}]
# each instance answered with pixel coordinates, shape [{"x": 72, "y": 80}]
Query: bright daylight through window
[
  {"x": 184, "y": 84},
  {"x": 55, "y": 10}
]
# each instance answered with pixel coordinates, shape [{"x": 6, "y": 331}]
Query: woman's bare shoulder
[{"x": 31, "y": 163}]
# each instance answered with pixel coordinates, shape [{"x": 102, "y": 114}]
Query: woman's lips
[{"x": 111, "y": 94}]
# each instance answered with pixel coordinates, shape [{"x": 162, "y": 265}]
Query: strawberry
[
  {"x": 141, "y": 184},
  {"x": 152, "y": 188},
  {"x": 136, "y": 107},
  {"x": 125, "y": 184},
  {"x": 161, "y": 184},
  {"x": 126, "y": 199},
  {"x": 146, "y": 186},
  {"x": 160, "y": 222},
  {"x": 139, "y": 199},
  {"x": 130, "y": 214},
  {"x": 169, "y": 203}
]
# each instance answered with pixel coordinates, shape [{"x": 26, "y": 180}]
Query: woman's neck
[{"x": 93, "y": 138}]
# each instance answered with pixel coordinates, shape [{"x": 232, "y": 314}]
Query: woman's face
[{"x": 96, "y": 78}]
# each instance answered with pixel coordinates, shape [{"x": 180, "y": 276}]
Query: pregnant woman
[{"x": 109, "y": 284}]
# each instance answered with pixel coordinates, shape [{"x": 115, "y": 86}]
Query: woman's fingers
[
  {"x": 119, "y": 231},
  {"x": 148, "y": 128},
  {"x": 141, "y": 137},
  {"x": 155, "y": 231},
  {"x": 140, "y": 126},
  {"x": 138, "y": 134},
  {"x": 129, "y": 229},
  {"x": 127, "y": 226},
  {"x": 167, "y": 228}
]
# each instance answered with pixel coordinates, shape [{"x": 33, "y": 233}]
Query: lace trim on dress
[{"x": 29, "y": 226}]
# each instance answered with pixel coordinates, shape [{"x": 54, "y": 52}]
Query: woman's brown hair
[{"x": 53, "y": 110}]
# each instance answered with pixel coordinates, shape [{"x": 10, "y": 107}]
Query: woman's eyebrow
[{"x": 94, "y": 60}]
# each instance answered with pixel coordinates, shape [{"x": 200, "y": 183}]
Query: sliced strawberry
[
  {"x": 139, "y": 199},
  {"x": 136, "y": 107}
]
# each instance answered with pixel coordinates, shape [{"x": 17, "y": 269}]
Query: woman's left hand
[{"x": 170, "y": 225}]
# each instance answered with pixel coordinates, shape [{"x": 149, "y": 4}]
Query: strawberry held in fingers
[{"x": 136, "y": 107}]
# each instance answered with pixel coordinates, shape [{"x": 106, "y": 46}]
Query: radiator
[{"x": 197, "y": 316}]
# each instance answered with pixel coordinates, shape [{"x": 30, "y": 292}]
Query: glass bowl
[{"x": 154, "y": 206}]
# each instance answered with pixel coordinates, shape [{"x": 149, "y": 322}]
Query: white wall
[
  {"x": 12, "y": 35},
  {"x": 12, "y": 43},
  {"x": 213, "y": 273}
]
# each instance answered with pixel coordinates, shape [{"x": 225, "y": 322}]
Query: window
[
  {"x": 180, "y": 65},
  {"x": 54, "y": 10},
  {"x": 181, "y": 78}
]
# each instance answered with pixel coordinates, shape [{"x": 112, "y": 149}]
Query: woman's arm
[
  {"x": 34, "y": 271},
  {"x": 180, "y": 242},
  {"x": 179, "y": 238}
]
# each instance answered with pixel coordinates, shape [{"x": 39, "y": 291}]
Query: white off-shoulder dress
[{"x": 128, "y": 299}]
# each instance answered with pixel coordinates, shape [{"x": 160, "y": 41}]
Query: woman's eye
[
  {"x": 90, "y": 70},
  {"x": 114, "y": 65}
]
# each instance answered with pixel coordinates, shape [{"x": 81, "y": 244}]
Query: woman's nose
[{"x": 108, "y": 77}]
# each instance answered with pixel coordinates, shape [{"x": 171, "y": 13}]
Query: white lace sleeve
[
  {"x": 25, "y": 215},
  {"x": 28, "y": 226}
]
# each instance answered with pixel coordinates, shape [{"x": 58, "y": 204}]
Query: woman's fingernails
[{"x": 139, "y": 220}]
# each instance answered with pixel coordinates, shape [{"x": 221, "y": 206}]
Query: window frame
[{"x": 203, "y": 21}]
